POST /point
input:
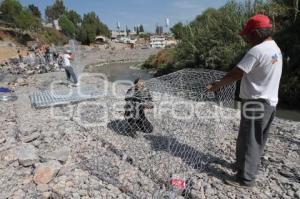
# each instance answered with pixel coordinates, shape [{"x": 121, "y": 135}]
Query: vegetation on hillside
[
  {"x": 212, "y": 41},
  {"x": 91, "y": 27},
  {"x": 21, "y": 17},
  {"x": 67, "y": 26},
  {"x": 72, "y": 24},
  {"x": 52, "y": 36}
]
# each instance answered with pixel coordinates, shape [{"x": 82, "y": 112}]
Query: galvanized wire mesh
[{"x": 187, "y": 125}]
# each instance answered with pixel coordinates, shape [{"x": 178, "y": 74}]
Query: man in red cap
[{"x": 260, "y": 73}]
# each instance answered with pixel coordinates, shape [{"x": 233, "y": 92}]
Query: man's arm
[{"x": 234, "y": 75}]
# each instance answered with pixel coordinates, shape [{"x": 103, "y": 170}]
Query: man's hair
[
  {"x": 265, "y": 33},
  {"x": 137, "y": 81}
]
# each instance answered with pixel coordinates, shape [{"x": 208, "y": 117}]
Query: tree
[
  {"x": 26, "y": 21},
  {"x": 127, "y": 30},
  {"x": 178, "y": 30},
  {"x": 91, "y": 27},
  {"x": 34, "y": 10},
  {"x": 141, "y": 28},
  {"x": 67, "y": 26},
  {"x": 55, "y": 11},
  {"x": 10, "y": 9},
  {"x": 74, "y": 17}
]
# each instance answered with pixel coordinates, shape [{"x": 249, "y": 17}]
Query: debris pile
[{"x": 29, "y": 65}]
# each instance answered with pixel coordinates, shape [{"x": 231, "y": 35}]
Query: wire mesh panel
[
  {"x": 176, "y": 138},
  {"x": 188, "y": 124},
  {"x": 48, "y": 98}
]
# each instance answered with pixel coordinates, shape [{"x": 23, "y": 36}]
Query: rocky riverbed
[
  {"x": 13, "y": 73},
  {"x": 83, "y": 151}
]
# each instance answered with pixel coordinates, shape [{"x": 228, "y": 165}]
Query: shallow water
[{"x": 124, "y": 71}]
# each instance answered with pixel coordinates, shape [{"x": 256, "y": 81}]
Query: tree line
[
  {"x": 73, "y": 25},
  {"x": 212, "y": 41}
]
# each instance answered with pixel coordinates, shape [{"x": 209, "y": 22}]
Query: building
[
  {"x": 54, "y": 24},
  {"x": 159, "y": 30},
  {"x": 127, "y": 40},
  {"x": 157, "y": 41},
  {"x": 118, "y": 34}
]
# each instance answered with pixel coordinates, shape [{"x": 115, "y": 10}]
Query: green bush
[
  {"x": 23, "y": 18},
  {"x": 56, "y": 10},
  {"x": 67, "y": 26},
  {"x": 10, "y": 9},
  {"x": 163, "y": 62},
  {"x": 26, "y": 21}
]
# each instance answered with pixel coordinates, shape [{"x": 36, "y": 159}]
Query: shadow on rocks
[
  {"x": 202, "y": 162},
  {"x": 120, "y": 127}
]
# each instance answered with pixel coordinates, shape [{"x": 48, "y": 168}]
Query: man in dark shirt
[{"x": 138, "y": 98}]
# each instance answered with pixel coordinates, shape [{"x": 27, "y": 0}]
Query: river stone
[
  {"x": 43, "y": 187},
  {"x": 19, "y": 194},
  {"x": 297, "y": 195},
  {"x": 2, "y": 140},
  {"x": 27, "y": 155},
  {"x": 60, "y": 155},
  {"x": 45, "y": 172},
  {"x": 46, "y": 195},
  {"x": 31, "y": 137}
]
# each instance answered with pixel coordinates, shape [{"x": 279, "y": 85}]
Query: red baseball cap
[{"x": 256, "y": 22}]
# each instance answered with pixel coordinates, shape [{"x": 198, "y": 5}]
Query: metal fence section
[{"x": 48, "y": 98}]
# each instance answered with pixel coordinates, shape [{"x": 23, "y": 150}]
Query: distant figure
[
  {"x": 47, "y": 54},
  {"x": 67, "y": 57},
  {"x": 20, "y": 56},
  {"x": 137, "y": 100},
  {"x": 60, "y": 61}
]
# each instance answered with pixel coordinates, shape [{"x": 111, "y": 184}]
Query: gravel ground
[{"x": 83, "y": 151}]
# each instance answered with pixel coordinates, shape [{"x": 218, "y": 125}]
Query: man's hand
[
  {"x": 235, "y": 75},
  {"x": 214, "y": 87},
  {"x": 72, "y": 56}
]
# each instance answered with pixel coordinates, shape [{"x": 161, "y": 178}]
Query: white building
[
  {"x": 157, "y": 42},
  {"x": 127, "y": 40},
  {"x": 118, "y": 34}
]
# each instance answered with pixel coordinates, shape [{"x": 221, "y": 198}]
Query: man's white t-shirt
[
  {"x": 263, "y": 68},
  {"x": 67, "y": 58}
]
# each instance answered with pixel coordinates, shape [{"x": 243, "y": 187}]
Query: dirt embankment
[
  {"x": 7, "y": 52},
  {"x": 11, "y": 42}
]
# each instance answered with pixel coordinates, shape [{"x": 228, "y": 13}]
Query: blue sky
[{"x": 133, "y": 12}]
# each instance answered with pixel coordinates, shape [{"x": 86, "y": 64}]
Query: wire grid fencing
[{"x": 178, "y": 138}]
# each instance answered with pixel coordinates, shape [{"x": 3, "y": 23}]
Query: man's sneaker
[{"x": 238, "y": 183}]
